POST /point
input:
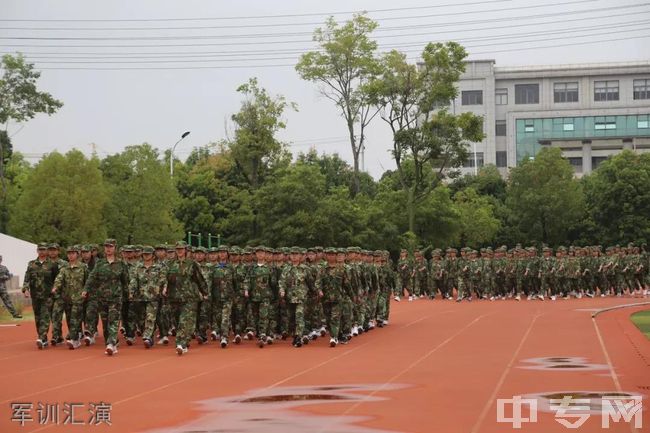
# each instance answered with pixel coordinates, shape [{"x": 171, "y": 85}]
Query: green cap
[
  {"x": 147, "y": 249},
  {"x": 42, "y": 245},
  {"x": 161, "y": 247},
  {"x": 110, "y": 241},
  {"x": 86, "y": 247},
  {"x": 200, "y": 250},
  {"x": 181, "y": 244},
  {"x": 74, "y": 248}
]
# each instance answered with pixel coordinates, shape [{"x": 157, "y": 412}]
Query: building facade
[{"x": 590, "y": 111}]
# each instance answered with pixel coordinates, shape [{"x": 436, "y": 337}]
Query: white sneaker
[
  {"x": 355, "y": 331},
  {"x": 553, "y": 298},
  {"x": 590, "y": 295},
  {"x": 322, "y": 331},
  {"x": 397, "y": 298},
  {"x": 540, "y": 297},
  {"x": 385, "y": 322},
  {"x": 491, "y": 298},
  {"x": 88, "y": 340},
  {"x": 224, "y": 342},
  {"x": 249, "y": 335},
  {"x": 69, "y": 344},
  {"x": 333, "y": 342},
  {"x": 40, "y": 344},
  {"x": 579, "y": 296},
  {"x": 371, "y": 325},
  {"x": 529, "y": 297},
  {"x": 164, "y": 340},
  {"x": 214, "y": 336},
  {"x": 269, "y": 339},
  {"x": 237, "y": 339},
  {"x": 518, "y": 298},
  {"x": 180, "y": 350},
  {"x": 410, "y": 298},
  {"x": 110, "y": 350},
  {"x": 602, "y": 295}
]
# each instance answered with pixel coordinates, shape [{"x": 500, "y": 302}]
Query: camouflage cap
[
  {"x": 200, "y": 250},
  {"x": 330, "y": 250},
  {"x": 138, "y": 247},
  {"x": 212, "y": 250},
  {"x": 260, "y": 248},
  {"x": 295, "y": 250},
  {"x": 95, "y": 247},
  {"x": 247, "y": 251},
  {"x": 110, "y": 241},
  {"x": 42, "y": 245},
  {"x": 128, "y": 248},
  {"x": 235, "y": 250},
  {"x": 86, "y": 248},
  {"x": 221, "y": 249},
  {"x": 451, "y": 250},
  {"x": 161, "y": 247},
  {"x": 53, "y": 246},
  {"x": 147, "y": 249},
  {"x": 74, "y": 249},
  {"x": 180, "y": 245}
]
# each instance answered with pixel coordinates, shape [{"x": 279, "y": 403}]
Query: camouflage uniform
[
  {"x": 69, "y": 284},
  {"x": 331, "y": 283},
  {"x": 105, "y": 286},
  {"x": 146, "y": 286},
  {"x": 4, "y": 277},
  {"x": 259, "y": 298},
  {"x": 39, "y": 278},
  {"x": 185, "y": 285},
  {"x": 293, "y": 285},
  {"x": 224, "y": 289}
]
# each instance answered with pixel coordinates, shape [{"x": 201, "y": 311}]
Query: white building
[{"x": 590, "y": 111}]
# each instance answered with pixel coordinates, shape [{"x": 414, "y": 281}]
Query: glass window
[
  {"x": 567, "y": 127},
  {"x": 470, "y": 160},
  {"x": 501, "y": 97},
  {"x": 642, "y": 122},
  {"x": 596, "y": 161},
  {"x": 529, "y": 126},
  {"x": 472, "y": 97},
  {"x": 606, "y": 90},
  {"x": 641, "y": 89},
  {"x": 605, "y": 125},
  {"x": 526, "y": 93},
  {"x": 500, "y": 128},
  {"x": 502, "y": 158},
  {"x": 565, "y": 92}
]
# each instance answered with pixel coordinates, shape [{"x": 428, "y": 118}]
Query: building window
[
  {"x": 500, "y": 128},
  {"x": 568, "y": 124},
  {"x": 641, "y": 89},
  {"x": 501, "y": 97},
  {"x": 469, "y": 163},
  {"x": 596, "y": 161},
  {"x": 642, "y": 121},
  {"x": 576, "y": 163},
  {"x": 526, "y": 93},
  {"x": 472, "y": 97},
  {"x": 565, "y": 92},
  {"x": 606, "y": 90},
  {"x": 603, "y": 123},
  {"x": 529, "y": 126},
  {"x": 502, "y": 158}
]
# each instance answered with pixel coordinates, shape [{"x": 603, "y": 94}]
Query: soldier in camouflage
[
  {"x": 39, "y": 278},
  {"x": 5, "y": 276},
  {"x": 104, "y": 289},
  {"x": 68, "y": 288}
]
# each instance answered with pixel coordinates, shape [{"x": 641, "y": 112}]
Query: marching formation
[
  {"x": 522, "y": 272},
  {"x": 232, "y": 294},
  {"x": 221, "y": 294}
]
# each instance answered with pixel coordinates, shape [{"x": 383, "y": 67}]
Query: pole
[
  {"x": 171, "y": 154},
  {"x": 475, "y": 160}
]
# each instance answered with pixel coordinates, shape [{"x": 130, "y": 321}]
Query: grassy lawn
[
  {"x": 21, "y": 307},
  {"x": 642, "y": 321}
]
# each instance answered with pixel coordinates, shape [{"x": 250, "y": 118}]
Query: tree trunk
[
  {"x": 356, "y": 183},
  {"x": 410, "y": 208}
]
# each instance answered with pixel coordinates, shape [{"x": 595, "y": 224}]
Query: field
[{"x": 438, "y": 367}]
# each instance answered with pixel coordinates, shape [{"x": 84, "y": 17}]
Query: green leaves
[{"x": 20, "y": 99}]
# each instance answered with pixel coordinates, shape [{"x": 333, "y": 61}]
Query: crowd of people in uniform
[
  {"x": 223, "y": 294},
  {"x": 519, "y": 273},
  {"x": 230, "y": 294}
]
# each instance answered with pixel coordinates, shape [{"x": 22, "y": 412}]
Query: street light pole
[{"x": 171, "y": 155}]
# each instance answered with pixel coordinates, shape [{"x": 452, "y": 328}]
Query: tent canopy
[{"x": 16, "y": 253}]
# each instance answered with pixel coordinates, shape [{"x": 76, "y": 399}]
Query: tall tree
[
  {"x": 142, "y": 197},
  {"x": 478, "y": 224},
  {"x": 618, "y": 199},
  {"x": 255, "y": 147},
  {"x": 544, "y": 198},
  {"x": 17, "y": 170},
  {"x": 63, "y": 200},
  {"x": 343, "y": 64},
  {"x": 413, "y": 100},
  {"x": 20, "y": 99}
]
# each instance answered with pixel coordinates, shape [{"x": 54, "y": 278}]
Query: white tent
[{"x": 16, "y": 253}]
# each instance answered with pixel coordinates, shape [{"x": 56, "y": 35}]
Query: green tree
[
  {"x": 63, "y": 200},
  {"x": 255, "y": 149},
  {"x": 20, "y": 99},
  {"x": 16, "y": 171},
  {"x": 343, "y": 64},
  {"x": 478, "y": 223},
  {"x": 338, "y": 172},
  {"x": 488, "y": 181},
  {"x": 413, "y": 100},
  {"x": 618, "y": 199},
  {"x": 142, "y": 197},
  {"x": 544, "y": 198}
]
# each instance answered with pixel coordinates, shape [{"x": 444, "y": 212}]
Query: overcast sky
[{"x": 192, "y": 71}]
